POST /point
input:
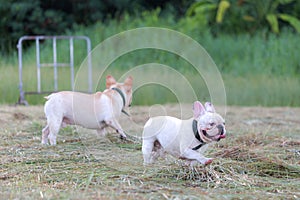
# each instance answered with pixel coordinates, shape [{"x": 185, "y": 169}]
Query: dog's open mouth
[
  {"x": 218, "y": 137},
  {"x": 221, "y": 136}
]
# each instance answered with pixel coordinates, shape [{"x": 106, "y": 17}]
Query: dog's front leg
[
  {"x": 194, "y": 155},
  {"x": 115, "y": 125}
]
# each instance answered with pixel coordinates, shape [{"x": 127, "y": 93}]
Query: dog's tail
[{"x": 49, "y": 96}]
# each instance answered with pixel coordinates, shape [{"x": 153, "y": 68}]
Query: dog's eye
[{"x": 212, "y": 124}]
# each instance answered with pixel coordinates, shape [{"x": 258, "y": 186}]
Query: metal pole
[
  {"x": 55, "y": 63},
  {"x": 72, "y": 62},
  {"x": 22, "y": 95},
  {"x": 38, "y": 64},
  {"x": 90, "y": 77}
]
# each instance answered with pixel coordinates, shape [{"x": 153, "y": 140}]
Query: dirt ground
[{"x": 260, "y": 158}]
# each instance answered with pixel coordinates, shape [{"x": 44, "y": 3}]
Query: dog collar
[
  {"x": 123, "y": 98},
  {"x": 197, "y": 136}
]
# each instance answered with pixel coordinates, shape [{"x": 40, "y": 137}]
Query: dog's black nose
[{"x": 221, "y": 129}]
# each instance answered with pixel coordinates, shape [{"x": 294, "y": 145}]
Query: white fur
[
  {"x": 176, "y": 137},
  {"x": 93, "y": 111}
]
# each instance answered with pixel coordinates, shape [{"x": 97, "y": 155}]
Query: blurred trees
[
  {"x": 54, "y": 17},
  {"x": 239, "y": 16}
]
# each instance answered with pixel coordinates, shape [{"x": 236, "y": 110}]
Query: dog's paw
[
  {"x": 208, "y": 161},
  {"x": 123, "y": 137},
  {"x": 44, "y": 142}
]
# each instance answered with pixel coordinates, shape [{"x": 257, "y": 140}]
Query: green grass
[
  {"x": 257, "y": 70},
  {"x": 263, "y": 90}
]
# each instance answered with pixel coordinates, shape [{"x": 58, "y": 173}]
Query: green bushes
[
  {"x": 258, "y": 69},
  {"x": 219, "y": 16},
  {"x": 234, "y": 17},
  {"x": 55, "y": 17}
]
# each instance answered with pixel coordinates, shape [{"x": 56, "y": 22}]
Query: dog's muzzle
[{"x": 221, "y": 132}]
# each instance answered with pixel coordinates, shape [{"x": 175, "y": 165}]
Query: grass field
[{"x": 258, "y": 160}]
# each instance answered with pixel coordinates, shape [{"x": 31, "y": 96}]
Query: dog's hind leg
[
  {"x": 151, "y": 149},
  {"x": 157, "y": 151},
  {"x": 54, "y": 126},
  {"x": 45, "y": 134},
  {"x": 147, "y": 148}
]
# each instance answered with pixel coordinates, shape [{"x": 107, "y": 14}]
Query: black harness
[
  {"x": 123, "y": 98},
  {"x": 197, "y": 136}
]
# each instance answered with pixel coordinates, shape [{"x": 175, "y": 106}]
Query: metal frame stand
[{"x": 55, "y": 63}]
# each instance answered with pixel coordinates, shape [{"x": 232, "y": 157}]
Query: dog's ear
[
  {"x": 128, "y": 82},
  {"x": 110, "y": 80},
  {"x": 209, "y": 107},
  {"x": 198, "y": 109}
]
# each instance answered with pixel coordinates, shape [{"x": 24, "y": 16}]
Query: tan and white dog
[
  {"x": 184, "y": 139},
  {"x": 92, "y": 111}
]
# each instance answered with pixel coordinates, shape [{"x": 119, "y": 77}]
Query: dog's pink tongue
[{"x": 222, "y": 136}]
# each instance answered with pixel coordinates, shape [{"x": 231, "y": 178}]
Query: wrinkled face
[{"x": 211, "y": 125}]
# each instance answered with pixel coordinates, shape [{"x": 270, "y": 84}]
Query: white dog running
[
  {"x": 92, "y": 111},
  {"x": 183, "y": 139}
]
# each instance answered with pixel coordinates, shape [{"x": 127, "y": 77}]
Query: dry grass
[{"x": 260, "y": 159}]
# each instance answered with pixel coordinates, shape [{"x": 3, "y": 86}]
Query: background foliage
[
  {"x": 39, "y": 17},
  {"x": 259, "y": 62}
]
